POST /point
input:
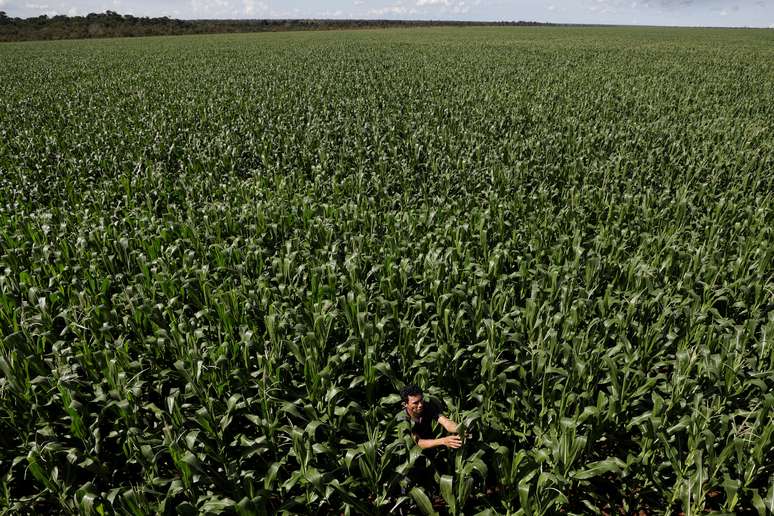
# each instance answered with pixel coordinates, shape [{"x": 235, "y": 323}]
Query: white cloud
[
  {"x": 252, "y": 7},
  {"x": 338, "y": 14},
  {"x": 421, "y": 7},
  {"x": 211, "y": 7},
  {"x": 392, "y": 9},
  {"x": 448, "y": 6},
  {"x": 460, "y": 8}
]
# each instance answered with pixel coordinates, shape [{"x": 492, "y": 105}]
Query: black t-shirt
[{"x": 422, "y": 428}]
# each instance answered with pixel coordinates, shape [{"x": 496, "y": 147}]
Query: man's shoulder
[{"x": 434, "y": 408}]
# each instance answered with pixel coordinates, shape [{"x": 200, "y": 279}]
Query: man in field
[{"x": 421, "y": 415}]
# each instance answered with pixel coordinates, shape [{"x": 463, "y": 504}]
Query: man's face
[{"x": 415, "y": 405}]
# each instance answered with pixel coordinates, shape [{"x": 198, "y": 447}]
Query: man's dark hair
[{"x": 410, "y": 390}]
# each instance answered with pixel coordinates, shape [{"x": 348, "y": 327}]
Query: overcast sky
[{"x": 734, "y": 13}]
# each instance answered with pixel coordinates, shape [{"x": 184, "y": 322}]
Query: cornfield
[{"x": 221, "y": 257}]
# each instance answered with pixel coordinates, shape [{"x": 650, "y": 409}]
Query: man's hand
[{"x": 452, "y": 441}]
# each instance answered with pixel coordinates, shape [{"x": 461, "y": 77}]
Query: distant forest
[{"x": 111, "y": 24}]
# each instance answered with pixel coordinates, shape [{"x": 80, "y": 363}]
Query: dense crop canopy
[{"x": 221, "y": 257}]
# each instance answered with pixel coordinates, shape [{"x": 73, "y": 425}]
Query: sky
[{"x": 716, "y": 13}]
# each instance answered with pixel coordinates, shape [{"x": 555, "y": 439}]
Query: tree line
[{"x": 110, "y": 24}]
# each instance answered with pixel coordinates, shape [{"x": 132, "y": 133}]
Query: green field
[{"x": 221, "y": 257}]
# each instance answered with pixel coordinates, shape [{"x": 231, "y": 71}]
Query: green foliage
[
  {"x": 110, "y": 24},
  {"x": 221, "y": 257}
]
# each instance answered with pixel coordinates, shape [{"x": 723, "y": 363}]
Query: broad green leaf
[
  {"x": 594, "y": 469},
  {"x": 422, "y": 501}
]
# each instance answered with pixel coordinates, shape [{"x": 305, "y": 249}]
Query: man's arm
[
  {"x": 450, "y": 441},
  {"x": 449, "y": 425}
]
